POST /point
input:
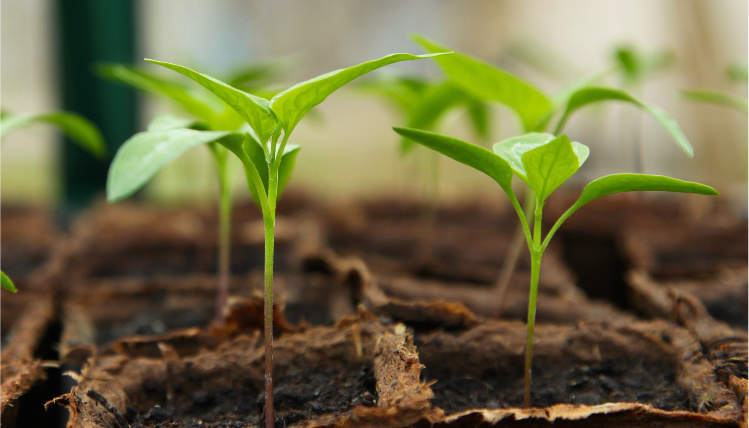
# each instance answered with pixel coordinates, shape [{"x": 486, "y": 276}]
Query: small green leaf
[
  {"x": 76, "y": 127},
  {"x": 590, "y": 95},
  {"x": 146, "y": 153},
  {"x": 6, "y": 283},
  {"x": 201, "y": 107},
  {"x": 490, "y": 83},
  {"x": 717, "y": 98},
  {"x": 255, "y": 110},
  {"x": 618, "y": 183},
  {"x": 466, "y": 153},
  {"x": 550, "y": 165},
  {"x": 513, "y": 149},
  {"x": 292, "y": 104}
]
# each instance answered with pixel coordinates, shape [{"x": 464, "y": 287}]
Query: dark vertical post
[{"x": 92, "y": 32}]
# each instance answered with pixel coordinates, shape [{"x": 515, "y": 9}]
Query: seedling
[
  {"x": 543, "y": 162},
  {"x": 262, "y": 149},
  {"x": 7, "y": 283},
  {"x": 209, "y": 114},
  {"x": 424, "y": 104},
  {"x": 536, "y": 112}
]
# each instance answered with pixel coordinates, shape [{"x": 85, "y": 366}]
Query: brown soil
[{"x": 591, "y": 364}]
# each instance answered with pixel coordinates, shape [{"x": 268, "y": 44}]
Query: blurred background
[{"x": 49, "y": 49}]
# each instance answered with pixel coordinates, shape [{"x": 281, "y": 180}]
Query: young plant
[
  {"x": 536, "y": 111},
  {"x": 423, "y": 104},
  {"x": 543, "y": 162},
  {"x": 209, "y": 115},
  {"x": 261, "y": 148}
]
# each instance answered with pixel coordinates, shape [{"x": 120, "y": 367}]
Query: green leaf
[
  {"x": 201, "y": 107},
  {"x": 488, "y": 82},
  {"x": 292, "y": 104},
  {"x": 76, "y": 127},
  {"x": 146, "y": 153},
  {"x": 164, "y": 122},
  {"x": 433, "y": 106},
  {"x": 466, "y": 153},
  {"x": 717, "y": 98},
  {"x": 6, "y": 283},
  {"x": 590, "y": 95},
  {"x": 550, "y": 165},
  {"x": 513, "y": 149},
  {"x": 255, "y": 110},
  {"x": 618, "y": 183}
]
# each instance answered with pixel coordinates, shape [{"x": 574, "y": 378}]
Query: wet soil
[
  {"x": 300, "y": 394},
  {"x": 483, "y": 367}
]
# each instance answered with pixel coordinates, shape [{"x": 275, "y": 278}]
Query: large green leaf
[
  {"x": 76, "y": 127},
  {"x": 491, "y": 83},
  {"x": 550, "y": 165},
  {"x": 618, "y": 183},
  {"x": 7, "y": 283},
  {"x": 146, "y": 153},
  {"x": 590, "y": 95},
  {"x": 513, "y": 149},
  {"x": 255, "y": 110},
  {"x": 201, "y": 107},
  {"x": 292, "y": 104},
  {"x": 717, "y": 98},
  {"x": 466, "y": 153}
]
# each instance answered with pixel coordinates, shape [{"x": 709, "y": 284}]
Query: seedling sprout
[
  {"x": 262, "y": 149},
  {"x": 543, "y": 162},
  {"x": 536, "y": 112}
]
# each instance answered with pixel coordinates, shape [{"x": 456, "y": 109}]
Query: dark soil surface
[
  {"x": 301, "y": 393},
  {"x": 483, "y": 367},
  {"x": 612, "y": 380}
]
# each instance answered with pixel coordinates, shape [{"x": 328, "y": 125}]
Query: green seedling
[
  {"x": 424, "y": 104},
  {"x": 7, "y": 283},
  {"x": 738, "y": 73},
  {"x": 208, "y": 115},
  {"x": 536, "y": 112},
  {"x": 543, "y": 162},
  {"x": 79, "y": 129},
  {"x": 261, "y": 147}
]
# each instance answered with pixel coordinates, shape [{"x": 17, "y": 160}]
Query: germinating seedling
[
  {"x": 173, "y": 136},
  {"x": 261, "y": 149},
  {"x": 537, "y": 112},
  {"x": 543, "y": 162}
]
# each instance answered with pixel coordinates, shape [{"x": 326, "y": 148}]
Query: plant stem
[
  {"x": 537, "y": 252},
  {"x": 512, "y": 258},
  {"x": 224, "y": 241},
  {"x": 268, "y": 316},
  {"x": 269, "y": 219}
]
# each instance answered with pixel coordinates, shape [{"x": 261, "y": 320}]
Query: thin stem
[
  {"x": 536, "y": 255},
  {"x": 270, "y": 230},
  {"x": 224, "y": 240},
  {"x": 512, "y": 258},
  {"x": 268, "y": 317}
]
